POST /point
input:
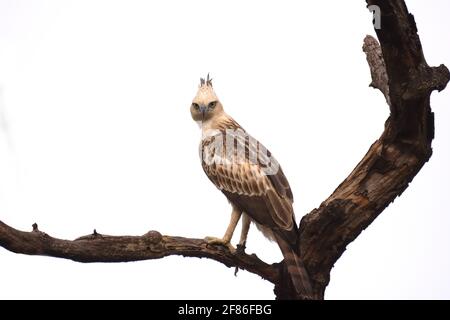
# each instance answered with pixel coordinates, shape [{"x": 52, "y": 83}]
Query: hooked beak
[{"x": 203, "y": 109}]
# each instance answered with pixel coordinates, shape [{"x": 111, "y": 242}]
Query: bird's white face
[{"x": 205, "y": 104}]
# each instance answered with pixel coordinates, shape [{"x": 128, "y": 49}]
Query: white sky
[{"x": 95, "y": 96}]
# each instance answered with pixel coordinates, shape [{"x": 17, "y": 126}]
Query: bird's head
[{"x": 205, "y": 105}]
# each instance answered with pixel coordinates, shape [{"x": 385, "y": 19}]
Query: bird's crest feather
[{"x": 207, "y": 82}]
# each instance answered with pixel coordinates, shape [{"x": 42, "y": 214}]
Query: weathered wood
[
  {"x": 399, "y": 70},
  {"x": 394, "y": 159},
  {"x": 152, "y": 245}
]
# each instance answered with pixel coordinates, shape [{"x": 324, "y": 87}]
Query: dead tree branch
[
  {"x": 400, "y": 72},
  {"x": 394, "y": 159},
  {"x": 152, "y": 245}
]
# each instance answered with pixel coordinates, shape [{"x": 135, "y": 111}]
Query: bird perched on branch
[{"x": 252, "y": 180}]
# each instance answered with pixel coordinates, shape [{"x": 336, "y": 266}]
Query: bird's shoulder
[{"x": 228, "y": 123}]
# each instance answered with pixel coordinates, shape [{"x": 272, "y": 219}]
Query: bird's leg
[
  {"x": 235, "y": 216},
  {"x": 244, "y": 232}
]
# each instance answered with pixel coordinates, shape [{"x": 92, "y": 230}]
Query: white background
[{"x": 96, "y": 133}]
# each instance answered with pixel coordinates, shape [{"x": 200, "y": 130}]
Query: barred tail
[{"x": 296, "y": 269}]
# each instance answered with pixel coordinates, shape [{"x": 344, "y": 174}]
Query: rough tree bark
[{"x": 400, "y": 72}]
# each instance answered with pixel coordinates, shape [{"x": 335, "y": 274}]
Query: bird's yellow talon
[
  {"x": 214, "y": 240},
  {"x": 221, "y": 242}
]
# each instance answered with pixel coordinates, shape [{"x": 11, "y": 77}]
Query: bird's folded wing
[{"x": 241, "y": 175}]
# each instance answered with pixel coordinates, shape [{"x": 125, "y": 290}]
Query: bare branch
[
  {"x": 400, "y": 72},
  {"x": 394, "y": 159},
  {"x": 377, "y": 66},
  {"x": 152, "y": 245}
]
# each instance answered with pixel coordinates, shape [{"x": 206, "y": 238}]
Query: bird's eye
[
  {"x": 212, "y": 105},
  {"x": 195, "y": 106}
]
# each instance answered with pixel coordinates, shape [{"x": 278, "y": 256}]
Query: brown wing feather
[
  {"x": 281, "y": 184},
  {"x": 266, "y": 198}
]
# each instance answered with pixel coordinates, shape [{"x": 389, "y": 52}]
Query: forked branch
[{"x": 399, "y": 70}]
